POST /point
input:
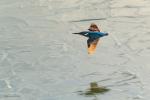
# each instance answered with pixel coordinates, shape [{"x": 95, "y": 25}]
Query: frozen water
[{"x": 41, "y": 60}]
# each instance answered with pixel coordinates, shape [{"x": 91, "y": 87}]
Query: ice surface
[{"x": 41, "y": 60}]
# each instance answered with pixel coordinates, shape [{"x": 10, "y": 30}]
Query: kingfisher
[{"x": 93, "y": 34}]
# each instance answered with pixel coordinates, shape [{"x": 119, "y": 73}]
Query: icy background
[{"x": 41, "y": 60}]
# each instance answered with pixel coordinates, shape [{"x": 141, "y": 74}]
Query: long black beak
[{"x": 75, "y": 33}]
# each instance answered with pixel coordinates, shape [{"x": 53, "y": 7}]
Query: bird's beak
[{"x": 75, "y": 33}]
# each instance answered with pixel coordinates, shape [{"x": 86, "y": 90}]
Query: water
[{"x": 41, "y": 60}]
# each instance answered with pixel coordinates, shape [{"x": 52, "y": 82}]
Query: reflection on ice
[{"x": 94, "y": 90}]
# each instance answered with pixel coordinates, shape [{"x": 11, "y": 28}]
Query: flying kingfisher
[{"x": 94, "y": 36}]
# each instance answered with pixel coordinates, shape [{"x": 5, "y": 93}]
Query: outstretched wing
[
  {"x": 92, "y": 43},
  {"x": 94, "y": 27}
]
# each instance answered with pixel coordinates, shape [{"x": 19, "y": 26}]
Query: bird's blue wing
[{"x": 102, "y": 33}]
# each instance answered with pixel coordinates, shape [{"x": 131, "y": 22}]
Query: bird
[{"x": 93, "y": 34}]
